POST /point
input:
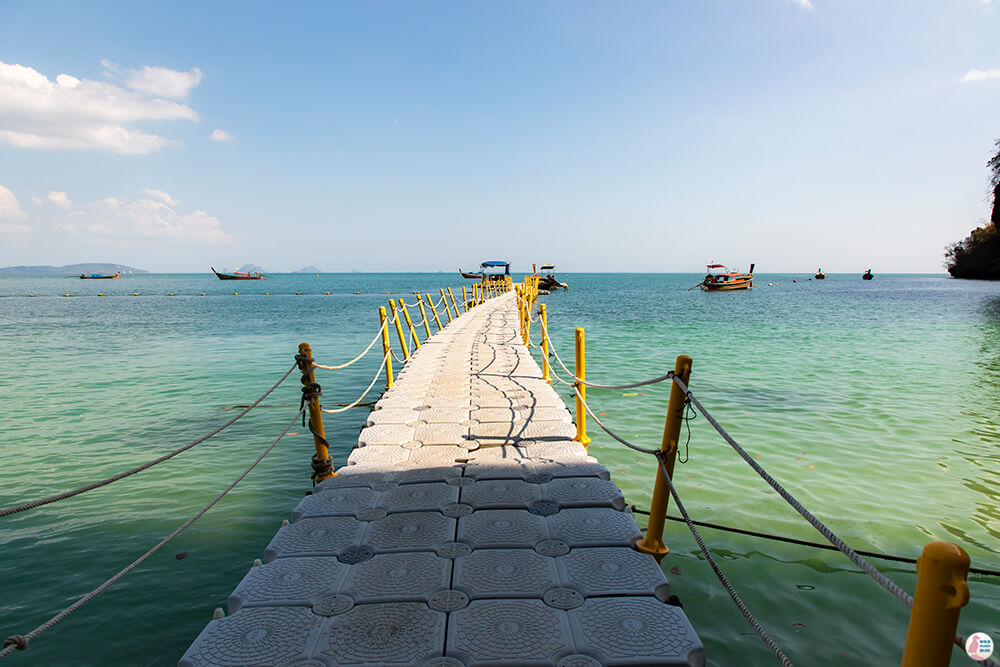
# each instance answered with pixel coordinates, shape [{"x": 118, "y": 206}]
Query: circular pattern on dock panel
[{"x": 384, "y": 633}]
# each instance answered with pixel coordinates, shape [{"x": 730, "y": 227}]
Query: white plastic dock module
[{"x": 467, "y": 530}]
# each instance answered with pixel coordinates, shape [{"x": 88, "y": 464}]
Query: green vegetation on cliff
[{"x": 978, "y": 254}]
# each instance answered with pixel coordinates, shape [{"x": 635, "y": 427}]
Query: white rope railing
[
  {"x": 363, "y": 394},
  {"x": 358, "y": 358},
  {"x": 20, "y": 642},
  {"x": 149, "y": 464}
]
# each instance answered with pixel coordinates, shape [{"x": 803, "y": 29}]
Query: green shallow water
[{"x": 875, "y": 403}]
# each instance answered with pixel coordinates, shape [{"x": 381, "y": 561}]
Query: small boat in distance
[
  {"x": 719, "y": 279},
  {"x": 99, "y": 276},
  {"x": 548, "y": 281},
  {"x": 820, "y": 275},
  {"x": 867, "y": 275},
  {"x": 483, "y": 275},
  {"x": 239, "y": 275}
]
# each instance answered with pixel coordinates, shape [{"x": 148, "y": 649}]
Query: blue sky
[{"x": 425, "y": 136}]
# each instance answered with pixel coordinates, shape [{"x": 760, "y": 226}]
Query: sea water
[{"x": 875, "y": 403}]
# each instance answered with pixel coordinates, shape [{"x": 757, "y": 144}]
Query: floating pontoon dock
[{"x": 467, "y": 529}]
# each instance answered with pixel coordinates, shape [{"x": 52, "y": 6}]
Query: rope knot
[
  {"x": 301, "y": 360},
  {"x": 321, "y": 467},
  {"x": 20, "y": 642}
]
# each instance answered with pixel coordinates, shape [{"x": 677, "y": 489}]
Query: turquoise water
[{"x": 876, "y": 403}]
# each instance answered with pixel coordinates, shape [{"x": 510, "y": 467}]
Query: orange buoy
[
  {"x": 65, "y": 294},
  {"x": 135, "y": 294},
  {"x": 327, "y": 292},
  {"x": 236, "y": 293},
  {"x": 267, "y": 294}
]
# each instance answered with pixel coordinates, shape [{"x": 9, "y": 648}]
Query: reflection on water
[{"x": 876, "y": 403}]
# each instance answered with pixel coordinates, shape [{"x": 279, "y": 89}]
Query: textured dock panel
[{"x": 467, "y": 529}]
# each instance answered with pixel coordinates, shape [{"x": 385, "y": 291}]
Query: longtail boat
[
  {"x": 238, "y": 275},
  {"x": 719, "y": 278},
  {"x": 867, "y": 275},
  {"x": 98, "y": 276},
  {"x": 484, "y": 274}
]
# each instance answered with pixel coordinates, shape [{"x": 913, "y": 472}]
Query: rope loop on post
[{"x": 321, "y": 467}]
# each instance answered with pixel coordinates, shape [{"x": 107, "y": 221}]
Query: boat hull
[
  {"x": 229, "y": 276},
  {"x": 101, "y": 277},
  {"x": 727, "y": 286}
]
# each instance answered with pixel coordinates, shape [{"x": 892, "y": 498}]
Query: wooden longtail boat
[
  {"x": 238, "y": 275},
  {"x": 719, "y": 279},
  {"x": 484, "y": 275},
  {"x": 98, "y": 276}
]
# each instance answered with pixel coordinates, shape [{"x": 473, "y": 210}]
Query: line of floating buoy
[{"x": 65, "y": 295}]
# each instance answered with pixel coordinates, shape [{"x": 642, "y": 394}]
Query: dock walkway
[{"x": 467, "y": 529}]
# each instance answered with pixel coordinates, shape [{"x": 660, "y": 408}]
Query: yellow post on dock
[
  {"x": 430, "y": 302},
  {"x": 409, "y": 323},
  {"x": 652, "y": 542},
  {"x": 399, "y": 330},
  {"x": 423, "y": 316},
  {"x": 941, "y": 593},
  {"x": 581, "y": 373},
  {"x": 453, "y": 302},
  {"x": 447, "y": 308},
  {"x": 321, "y": 462},
  {"x": 465, "y": 300},
  {"x": 386, "y": 350},
  {"x": 543, "y": 317}
]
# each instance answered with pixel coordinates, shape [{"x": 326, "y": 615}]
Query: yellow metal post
[
  {"x": 941, "y": 593},
  {"x": 385, "y": 348},
  {"x": 430, "y": 302},
  {"x": 465, "y": 300},
  {"x": 447, "y": 308},
  {"x": 652, "y": 542},
  {"x": 453, "y": 302},
  {"x": 409, "y": 323},
  {"x": 581, "y": 372},
  {"x": 543, "y": 318},
  {"x": 399, "y": 330},
  {"x": 527, "y": 323},
  {"x": 321, "y": 463},
  {"x": 423, "y": 316}
]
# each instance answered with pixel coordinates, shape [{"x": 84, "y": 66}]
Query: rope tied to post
[
  {"x": 149, "y": 464},
  {"x": 20, "y": 642}
]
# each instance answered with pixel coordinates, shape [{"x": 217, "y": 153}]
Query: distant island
[
  {"x": 69, "y": 269},
  {"x": 977, "y": 256},
  {"x": 308, "y": 269}
]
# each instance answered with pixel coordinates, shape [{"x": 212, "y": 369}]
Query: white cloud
[
  {"x": 60, "y": 200},
  {"x": 980, "y": 75},
  {"x": 12, "y": 228},
  {"x": 161, "y": 196},
  {"x": 9, "y": 208},
  {"x": 223, "y": 136},
  {"x": 162, "y": 82},
  {"x": 151, "y": 218},
  {"x": 37, "y": 201},
  {"x": 805, "y": 4},
  {"x": 80, "y": 114}
]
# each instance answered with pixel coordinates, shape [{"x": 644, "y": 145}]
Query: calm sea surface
[{"x": 876, "y": 403}]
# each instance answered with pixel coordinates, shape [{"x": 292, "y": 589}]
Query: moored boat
[
  {"x": 548, "y": 281},
  {"x": 99, "y": 276},
  {"x": 867, "y": 275},
  {"x": 719, "y": 279},
  {"x": 488, "y": 271},
  {"x": 238, "y": 275},
  {"x": 820, "y": 275}
]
